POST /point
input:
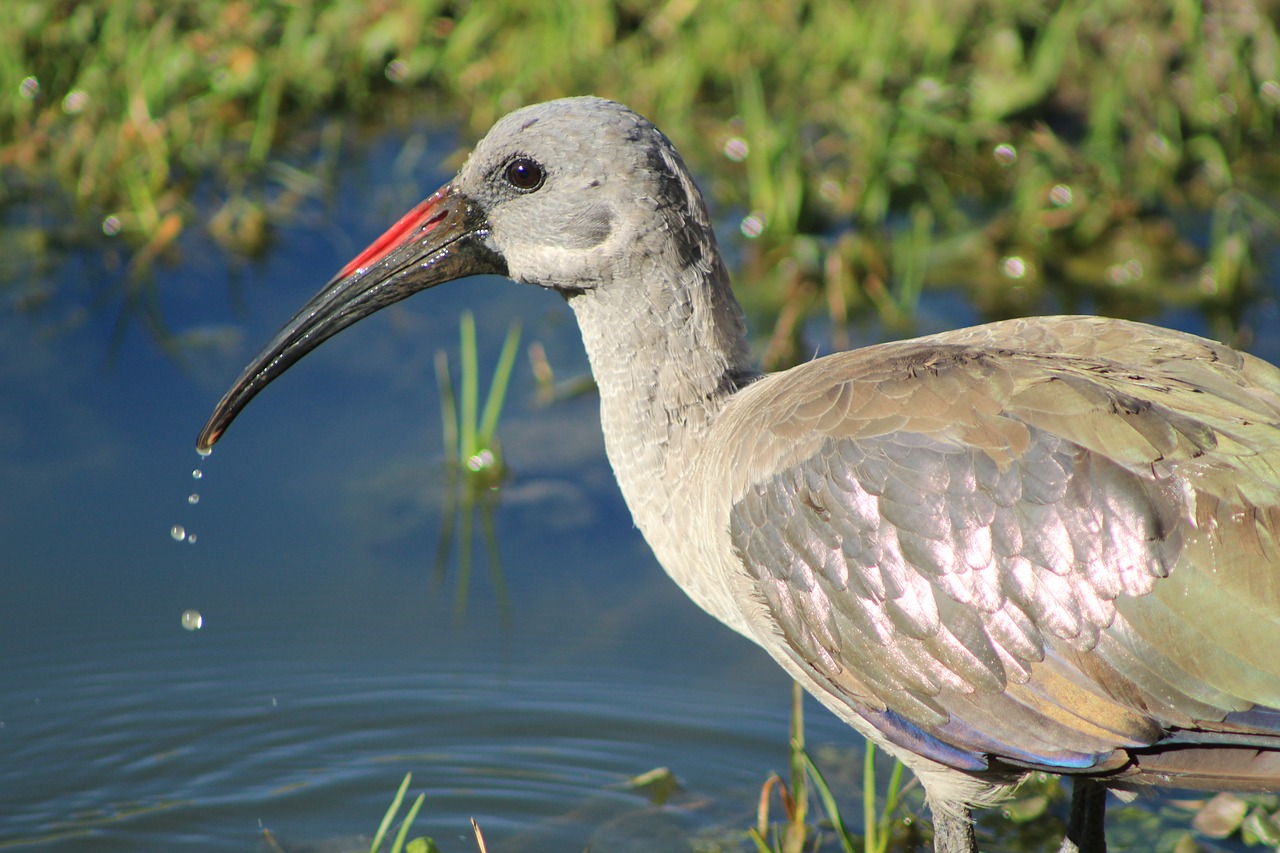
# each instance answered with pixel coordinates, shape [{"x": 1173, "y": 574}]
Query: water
[
  {"x": 331, "y": 658},
  {"x": 286, "y": 674}
]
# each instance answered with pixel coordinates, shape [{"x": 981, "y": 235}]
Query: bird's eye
[{"x": 524, "y": 174}]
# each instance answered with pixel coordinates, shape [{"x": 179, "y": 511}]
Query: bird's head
[{"x": 556, "y": 194}]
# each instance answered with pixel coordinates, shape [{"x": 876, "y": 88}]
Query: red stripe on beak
[{"x": 422, "y": 218}]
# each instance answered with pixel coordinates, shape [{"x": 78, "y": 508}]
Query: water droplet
[
  {"x": 192, "y": 620},
  {"x": 736, "y": 149},
  {"x": 111, "y": 225},
  {"x": 75, "y": 101},
  {"x": 191, "y": 537},
  {"x": 397, "y": 70},
  {"x": 1060, "y": 195},
  {"x": 197, "y": 474},
  {"x": 29, "y": 87},
  {"x": 1128, "y": 272},
  {"x": 204, "y": 452},
  {"x": 1005, "y": 154},
  {"x": 753, "y": 226},
  {"x": 178, "y": 532},
  {"x": 482, "y": 461},
  {"x": 193, "y": 498},
  {"x": 1013, "y": 266}
]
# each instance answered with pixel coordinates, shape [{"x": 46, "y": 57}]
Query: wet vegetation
[
  {"x": 1112, "y": 156},
  {"x": 1099, "y": 155}
]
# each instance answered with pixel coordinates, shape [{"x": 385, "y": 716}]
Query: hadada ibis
[{"x": 1047, "y": 544}]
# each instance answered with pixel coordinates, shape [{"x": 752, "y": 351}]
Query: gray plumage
[{"x": 1038, "y": 544}]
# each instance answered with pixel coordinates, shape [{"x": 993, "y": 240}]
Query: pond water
[{"x": 332, "y": 657}]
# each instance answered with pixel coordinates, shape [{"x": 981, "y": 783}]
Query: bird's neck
[{"x": 668, "y": 350}]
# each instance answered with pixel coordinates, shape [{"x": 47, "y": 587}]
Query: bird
[{"x": 1046, "y": 544}]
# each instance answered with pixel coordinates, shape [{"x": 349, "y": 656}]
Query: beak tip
[
  {"x": 439, "y": 240},
  {"x": 206, "y": 441}
]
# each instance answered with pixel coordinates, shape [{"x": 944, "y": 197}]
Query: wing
[{"x": 1040, "y": 540}]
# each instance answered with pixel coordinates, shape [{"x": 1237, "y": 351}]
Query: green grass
[
  {"x": 399, "y": 845},
  {"x": 474, "y": 466},
  {"x": 1041, "y": 156},
  {"x": 797, "y": 833},
  {"x": 470, "y": 434},
  {"x": 421, "y": 844}
]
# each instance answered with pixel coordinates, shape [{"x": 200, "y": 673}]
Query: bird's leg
[
  {"x": 1086, "y": 829},
  {"x": 953, "y": 831}
]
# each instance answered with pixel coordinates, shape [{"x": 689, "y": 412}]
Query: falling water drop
[
  {"x": 192, "y": 620},
  {"x": 178, "y": 532},
  {"x": 197, "y": 474},
  {"x": 193, "y": 498}
]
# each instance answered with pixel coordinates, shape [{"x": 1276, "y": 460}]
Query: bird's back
[{"x": 1051, "y": 542}]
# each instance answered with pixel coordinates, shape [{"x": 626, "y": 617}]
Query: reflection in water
[{"x": 464, "y": 505}]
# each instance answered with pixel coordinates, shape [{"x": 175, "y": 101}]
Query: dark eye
[{"x": 525, "y": 174}]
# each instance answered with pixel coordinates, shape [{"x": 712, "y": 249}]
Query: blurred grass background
[{"x": 1114, "y": 156}]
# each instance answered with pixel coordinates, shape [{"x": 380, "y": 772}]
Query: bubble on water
[
  {"x": 178, "y": 532},
  {"x": 192, "y": 620},
  {"x": 193, "y": 498},
  {"x": 197, "y": 474}
]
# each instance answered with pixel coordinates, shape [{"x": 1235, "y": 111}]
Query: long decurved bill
[{"x": 443, "y": 238}]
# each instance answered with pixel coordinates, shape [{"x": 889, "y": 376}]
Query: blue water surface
[{"x": 334, "y": 656}]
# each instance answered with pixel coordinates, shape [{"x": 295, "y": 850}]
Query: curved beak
[{"x": 443, "y": 238}]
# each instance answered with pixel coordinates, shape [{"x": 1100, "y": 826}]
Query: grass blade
[
  {"x": 390, "y": 815},
  {"x": 398, "y": 844},
  {"x": 470, "y": 385},
  {"x": 829, "y": 805},
  {"x": 498, "y": 387},
  {"x": 871, "y": 842}
]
